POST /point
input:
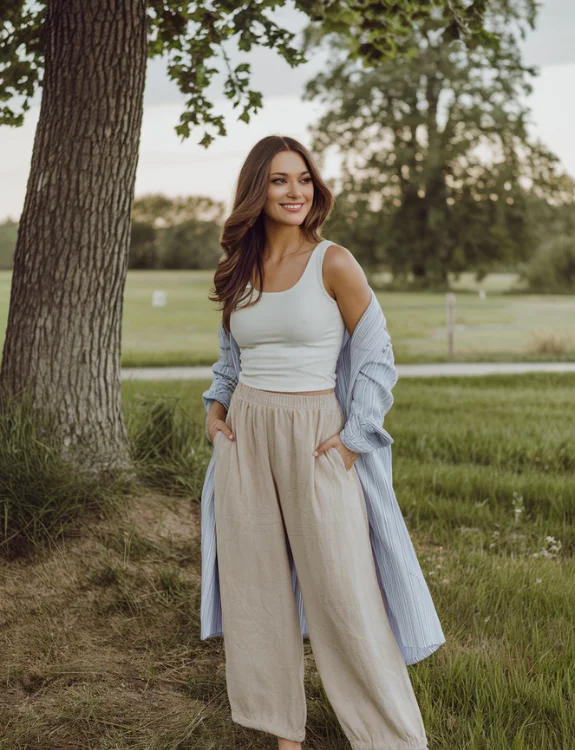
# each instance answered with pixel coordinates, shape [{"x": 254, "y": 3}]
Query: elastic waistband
[{"x": 288, "y": 400}]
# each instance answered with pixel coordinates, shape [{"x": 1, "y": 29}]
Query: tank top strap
[
  {"x": 318, "y": 260},
  {"x": 321, "y": 251}
]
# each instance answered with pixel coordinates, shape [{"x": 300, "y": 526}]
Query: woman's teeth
[{"x": 291, "y": 206}]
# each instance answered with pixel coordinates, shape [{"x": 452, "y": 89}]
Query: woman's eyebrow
[{"x": 306, "y": 171}]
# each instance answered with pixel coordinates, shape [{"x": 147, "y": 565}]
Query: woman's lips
[{"x": 292, "y": 207}]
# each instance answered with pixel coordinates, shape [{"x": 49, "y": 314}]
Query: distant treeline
[
  {"x": 183, "y": 233},
  {"x": 167, "y": 233},
  {"x": 175, "y": 233}
]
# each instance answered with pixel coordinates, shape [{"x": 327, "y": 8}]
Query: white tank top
[{"x": 290, "y": 340}]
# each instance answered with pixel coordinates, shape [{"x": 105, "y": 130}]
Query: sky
[{"x": 174, "y": 167}]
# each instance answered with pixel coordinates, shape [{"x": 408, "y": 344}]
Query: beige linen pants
[{"x": 271, "y": 492}]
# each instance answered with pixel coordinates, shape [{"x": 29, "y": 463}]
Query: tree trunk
[{"x": 63, "y": 338}]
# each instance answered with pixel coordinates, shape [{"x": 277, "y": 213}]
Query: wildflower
[
  {"x": 552, "y": 550},
  {"x": 517, "y": 505}
]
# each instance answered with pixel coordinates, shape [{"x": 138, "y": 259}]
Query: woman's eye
[{"x": 281, "y": 179}]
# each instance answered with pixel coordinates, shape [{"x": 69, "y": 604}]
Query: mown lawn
[
  {"x": 100, "y": 642},
  {"x": 500, "y": 327}
]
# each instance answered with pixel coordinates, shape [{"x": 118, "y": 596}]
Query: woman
[{"x": 294, "y": 524}]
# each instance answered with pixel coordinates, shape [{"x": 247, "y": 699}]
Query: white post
[
  {"x": 159, "y": 298},
  {"x": 450, "y": 315}
]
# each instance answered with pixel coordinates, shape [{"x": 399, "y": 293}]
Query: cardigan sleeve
[
  {"x": 371, "y": 400},
  {"x": 225, "y": 377}
]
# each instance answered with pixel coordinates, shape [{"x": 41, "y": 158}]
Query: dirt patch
[{"x": 100, "y": 638}]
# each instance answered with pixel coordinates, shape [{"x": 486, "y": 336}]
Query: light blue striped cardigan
[{"x": 366, "y": 373}]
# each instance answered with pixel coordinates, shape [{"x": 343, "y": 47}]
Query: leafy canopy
[{"x": 191, "y": 36}]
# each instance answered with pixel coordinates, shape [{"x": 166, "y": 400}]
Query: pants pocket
[{"x": 339, "y": 458}]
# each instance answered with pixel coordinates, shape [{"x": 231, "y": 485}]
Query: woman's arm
[{"x": 371, "y": 397}]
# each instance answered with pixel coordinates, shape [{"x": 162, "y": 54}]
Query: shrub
[{"x": 552, "y": 268}]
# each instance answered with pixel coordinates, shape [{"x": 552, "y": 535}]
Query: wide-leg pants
[{"x": 270, "y": 492}]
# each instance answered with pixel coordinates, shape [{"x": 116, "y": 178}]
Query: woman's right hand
[{"x": 219, "y": 425}]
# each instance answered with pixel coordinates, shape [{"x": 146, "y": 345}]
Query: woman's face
[{"x": 290, "y": 189}]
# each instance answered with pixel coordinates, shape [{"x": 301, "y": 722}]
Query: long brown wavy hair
[{"x": 243, "y": 237}]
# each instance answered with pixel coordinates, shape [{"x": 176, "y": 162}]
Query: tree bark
[{"x": 63, "y": 340}]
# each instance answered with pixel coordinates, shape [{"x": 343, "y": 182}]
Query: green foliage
[
  {"x": 552, "y": 268},
  {"x": 190, "y": 245},
  {"x": 192, "y": 36},
  {"x": 162, "y": 211},
  {"x": 22, "y": 39},
  {"x": 409, "y": 132},
  {"x": 174, "y": 233},
  {"x": 143, "y": 251}
]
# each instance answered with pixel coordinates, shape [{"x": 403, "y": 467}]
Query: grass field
[
  {"x": 500, "y": 327},
  {"x": 100, "y": 642}
]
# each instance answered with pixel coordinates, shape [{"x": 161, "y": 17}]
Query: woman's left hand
[{"x": 349, "y": 457}]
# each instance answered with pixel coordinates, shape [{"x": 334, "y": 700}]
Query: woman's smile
[{"x": 293, "y": 207}]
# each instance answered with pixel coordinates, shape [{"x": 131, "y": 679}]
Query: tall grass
[
  {"x": 42, "y": 495},
  {"x": 168, "y": 445},
  {"x": 484, "y": 470}
]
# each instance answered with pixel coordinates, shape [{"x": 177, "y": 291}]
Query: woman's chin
[{"x": 295, "y": 219}]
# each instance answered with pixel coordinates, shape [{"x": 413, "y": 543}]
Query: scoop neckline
[{"x": 283, "y": 291}]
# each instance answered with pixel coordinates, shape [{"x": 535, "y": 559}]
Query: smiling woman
[
  {"x": 280, "y": 203},
  {"x": 291, "y": 512}
]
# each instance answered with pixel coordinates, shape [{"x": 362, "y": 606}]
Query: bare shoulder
[
  {"x": 338, "y": 256},
  {"x": 343, "y": 275}
]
